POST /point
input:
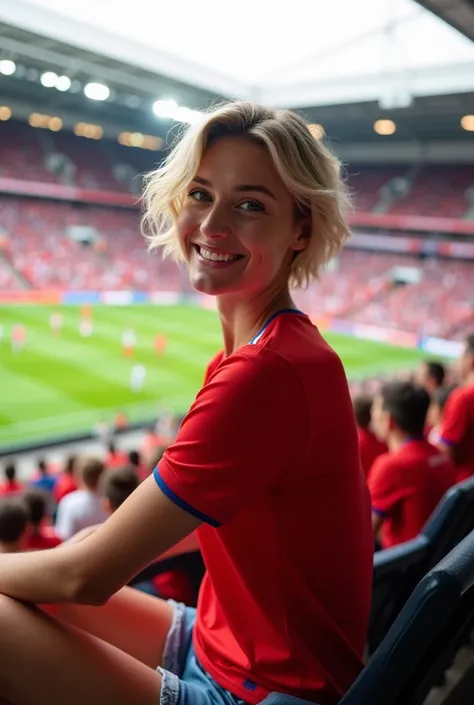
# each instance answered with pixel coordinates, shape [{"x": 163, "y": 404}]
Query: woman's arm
[{"x": 92, "y": 570}]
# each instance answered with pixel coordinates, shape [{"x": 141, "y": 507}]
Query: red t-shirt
[
  {"x": 11, "y": 488},
  {"x": 65, "y": 485},
  {"x": 457, "y": 429},
  {"x": 45, "y": 538},
  {"x": 370, "y": 448},
  {"x": 406, "y": 486},
  {"x": 268, "y": 458}
]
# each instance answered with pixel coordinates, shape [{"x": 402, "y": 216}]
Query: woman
[{"x": 265, "y": 464}]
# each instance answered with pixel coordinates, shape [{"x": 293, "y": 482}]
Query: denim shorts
[{"x": 185, "y": 682}]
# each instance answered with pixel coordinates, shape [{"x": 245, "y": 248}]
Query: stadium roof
[{"x": 314, "y": 53}]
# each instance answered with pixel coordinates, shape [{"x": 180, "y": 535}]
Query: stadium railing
[
  {"x": 398, "y": 570},
  {"x": 435, "y": 622}
]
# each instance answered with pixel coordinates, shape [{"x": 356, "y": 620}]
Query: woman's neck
[{"x": 242, "y": 319}]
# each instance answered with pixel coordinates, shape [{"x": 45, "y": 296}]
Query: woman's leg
[
  {"x": 131, "y": 620},
  {"x": 45, "y": 661}
]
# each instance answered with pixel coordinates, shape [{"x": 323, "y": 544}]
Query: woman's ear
[{"x": 302, "y": 236}]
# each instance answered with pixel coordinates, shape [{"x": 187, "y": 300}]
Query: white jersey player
[
  {"x": 129, "y": 341},
  {"x": 137, "y": 378},
  {"x": 56, "y": 322}
]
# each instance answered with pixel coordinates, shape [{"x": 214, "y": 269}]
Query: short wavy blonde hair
[{"x": 310, "y": 171}]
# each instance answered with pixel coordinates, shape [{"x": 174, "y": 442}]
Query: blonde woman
[{"x": 265, "y": 465}]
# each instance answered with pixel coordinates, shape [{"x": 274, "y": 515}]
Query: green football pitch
[{"x": 62, "y": 385}]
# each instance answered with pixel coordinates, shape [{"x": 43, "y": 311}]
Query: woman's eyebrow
[{"x": 242, "y": 187}]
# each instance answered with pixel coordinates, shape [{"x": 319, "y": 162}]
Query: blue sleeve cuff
[
  {"x": 181, "y": 502},
  {"x": 379, "y": 512},
  {"x": 450, "y": 444}
]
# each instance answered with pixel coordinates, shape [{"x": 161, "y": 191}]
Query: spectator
[
  {"x": 44, "y": 480},
  {"x": 407, "y": 483},
  {"x": 431, "y": 376},
  {"x": 42, "y": 534},
  {"x": 436, "y": 412},
  {"x": 457, "y": 429},
  {"x": 66, "y": 481},
  {"x": 369, "y": 445},
  {"x": 13, "y": 525},
  {"x": 83, "y": 507},
  {"x": 11, "y": 486},
  {"x": 135, "y": 460},
  {"x": 115, "y": 458},
  {"x": 117, "y": 485}
]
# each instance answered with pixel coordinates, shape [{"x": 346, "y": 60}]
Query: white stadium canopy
[{"x": 301, "y": 53}]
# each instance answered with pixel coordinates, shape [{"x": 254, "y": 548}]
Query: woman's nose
[{"x": 215, "y": 225}]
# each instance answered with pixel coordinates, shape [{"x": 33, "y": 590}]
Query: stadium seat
[
  {"x": 397, "y": 570},
  {"x": 437, "y": 619}
]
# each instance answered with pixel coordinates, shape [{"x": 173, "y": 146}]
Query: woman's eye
[
  {"x": 198, "y": 194},
  {"x": 252, "y": 206}
]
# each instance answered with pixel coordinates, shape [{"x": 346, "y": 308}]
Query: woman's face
[{"x": 237, "y": 227}]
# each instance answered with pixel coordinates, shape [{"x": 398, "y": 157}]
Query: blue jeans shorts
[{"x": 185, "y": 682}]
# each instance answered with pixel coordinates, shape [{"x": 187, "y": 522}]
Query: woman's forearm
[{"x": 40, "y": 576}]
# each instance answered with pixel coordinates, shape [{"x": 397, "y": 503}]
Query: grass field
[{"x": 62, "y": 385}]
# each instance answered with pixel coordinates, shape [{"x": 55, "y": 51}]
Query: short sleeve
[
  {"x": 386, "y": 485},
  {"x": 247, "y": 427},
  {"x": 454, "y": 423}
]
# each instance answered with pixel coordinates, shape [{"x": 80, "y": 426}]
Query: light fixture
[
  {"x": 7, "y": 67},
  {"x": 5, "y": 113},
  {"x": 49, "y": 79},
  {"x": 317, "y": 131},
  {"x": 55, "y": 124},
  {"x": 96, "y": 91},
  {"x": 384, "y": 127},
  {"x": 63, "y": 83},
  {"x": 467, "y": 123},
  {"x": 85, "y": 129},
  {"x": 169, "y": 109}
]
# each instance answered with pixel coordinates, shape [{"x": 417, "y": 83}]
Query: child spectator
[
  {"x": 42, "y": 535},
  {"x": 44, "y": 481},
  {"x": 135, "y": 461},
  {"x": 13, "y": 525},
  {"x": 11, "y": 486},
  {"x": 115, "y": 458},
  {"x": 369, "y": 445},
  {"x": 83, "y": 507},
  {"x": 117, "y": 485},
  {"x": 407, "y": 483},
  {"x": 65, "y": 481}
]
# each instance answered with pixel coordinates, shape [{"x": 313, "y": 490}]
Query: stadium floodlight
[
  {"x": 467, "y": 123},
  {"x": 7, "y": 67},
  {"x": 49, "y": 79},
  {"x": 385, "y": 127},
  {"x": 96, "y": 91},
  {"x": 170, "y": 110},
  {"x": 63, "y": 83}
]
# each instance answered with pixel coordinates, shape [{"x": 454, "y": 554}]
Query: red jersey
[
  {"x": 370, "y": 448},
  {"x": 457, "y": 429},
  {"x": 268, "y": 458},
  {"x": 65, "y": 485},
  {"x": 406, "y": 486},
  {"x": 11, "y": 487},
  {"x": 45, "y": 538}
]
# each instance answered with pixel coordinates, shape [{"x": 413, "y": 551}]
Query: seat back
[
  {"x": 452, "y": 520},
  {"x": 435, "y": 622},
  {"x": 398, "y": 570}
]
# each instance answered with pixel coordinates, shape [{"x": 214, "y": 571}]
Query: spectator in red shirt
[
  {"x": 11, "y": 486},
  {"x": 369, "y": 445},
  {"x": 115, "y": 458},
  {"x": 41, "y": 535},
  {"x": 436, "y": 413},
  {"x": 265, "y": 465},
  {"x": 457, "y": 429},
  {"x": 66, "y": 481},
  {"x": 13, "y": 525},
  {"x": 407, "y": 483},
  {"x": 431, "y": 376}
]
